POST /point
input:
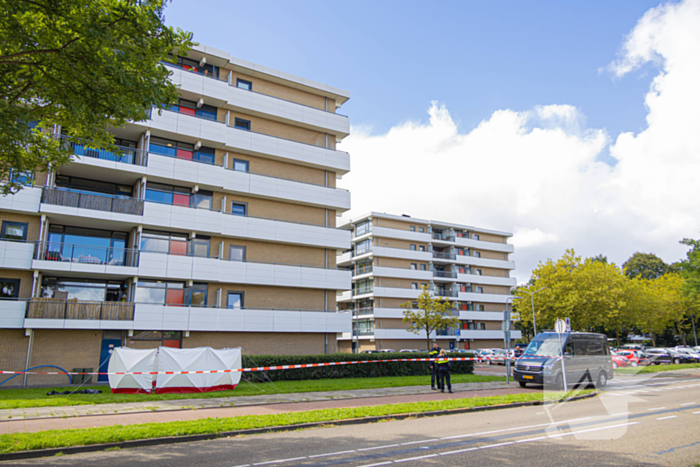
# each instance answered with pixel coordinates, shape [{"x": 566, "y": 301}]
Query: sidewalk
[{"x": 192, "y": 409}]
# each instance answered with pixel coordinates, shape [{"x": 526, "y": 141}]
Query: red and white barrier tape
[{"x": 273, "y": 368}]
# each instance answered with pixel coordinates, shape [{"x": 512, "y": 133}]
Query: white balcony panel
[
  {"x": 395, "y": 292},
  {"x": 400, "y": 273},
  {"x": 12, "y": 314},
  {"x": 78, "y": 324},
  {"x": 487, "y": 263},
  {"x": 402, "y": 254},
  {"x": 93, "y": 214},
  {"x": 216, "y": 223},
  {"x": 482, "y": 297},
  {"x": 401, "y": 234},
  {"x": 261, "y": 104},
  {"x": 158, "y": 265},
  {"x": 251, "y": 320},
  {"x": 16, "y": 255},
  {"x": 25, "y": 200},
  {"x": 487, "y": 280},
  {"x": 480, "y": 245},
  {"x": 344, "y": 260},
  {"x": 83, "y": 268},
  {"x": 344, "y": 296},
  {"x": 388, "y": 313},
  {"x": 481, "y": 315}
]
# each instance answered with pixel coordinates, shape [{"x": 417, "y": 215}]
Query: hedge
[{"x": 362, "y": 370}]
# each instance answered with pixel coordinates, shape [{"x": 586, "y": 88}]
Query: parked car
[
  {"x": 501, "y": 355},
  {"x": 658, "y": 356},
  {"x": 634, "y": 357},
  {"x": 689, "y": 352},
  {"x": 586, "y": 355},
  {"x": 618, "y": 361},
  {"x": 484, "y": 355},
  {"x": 408, "y": 350},
  {"x": 387, "y": 351},
  {"x": 370, "y": 351}
]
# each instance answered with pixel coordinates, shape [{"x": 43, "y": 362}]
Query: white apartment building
[
  {"x": 214, "y": 226},
  {"x": 393, "y": 257}
]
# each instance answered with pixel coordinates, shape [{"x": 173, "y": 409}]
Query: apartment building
[
  {"x": 215, "y": 225},
  {"x": 393, "y": 257}
]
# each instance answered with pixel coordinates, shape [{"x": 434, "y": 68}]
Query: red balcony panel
[
  {"x": 184, "y": 154},
  {"x": 181, "y": 200}
]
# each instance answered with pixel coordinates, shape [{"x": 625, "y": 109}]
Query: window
[
  {"x": 240, "y": 165},
  {"x": 477, "y": 272},
  {"x": 414, "y": 285},
  {"x": 476, "y": 254},
  {"x": 197, "y": 295},
  {"x": 424, "y": 284},
  {"x": 234, "y": 300},
  {"x": 199, "y": 246},
  {"x": 413, "y": 247},
  {"x": 166, "y": 194},
  {"x": 93, "y": 186},
  {"x": 423, "y": 267},
  {"x": 203, "y": 199},
  {"x": 161, "y": 293},
  {"x": 475, "y": 236},
  {"x": 236, "y": 253},
  {"x": 9, "y": 289},
  {"x": 421, "y": 229},
  {"x": 239, "y": 209},
  {"x": 90, "y": 290},
  {"x": 421, "y": 247},
  {"x": 362, "y": 247},
  {"x": 242, "y": 124},
  {"x": 164, "y": 242},
  {"x": 479, "y": 307},
  {"x": 363, "y": 228},
  {"x": 478, "y": 289},
  {"x": 412, "y": 228},
  {"x": 16, "y": 231},
  {"x": 83, "y": 245},
  {"x": 243, "y": 84},
  {"x": 363, "y": 286},
  {"x": 414, "y": 266}
]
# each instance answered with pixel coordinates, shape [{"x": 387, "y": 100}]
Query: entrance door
[{"x": 108, "y": 346}]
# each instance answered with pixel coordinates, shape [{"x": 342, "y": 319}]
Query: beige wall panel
[
  {"x": 33, "y": 222},
  {"x": 399, "y": 283},
  {"x": 393, "y": 224},
  {"x": 394, "y": 243},
  {"x": 493, "y": 272},
  {"x": 399, "y": 263},
  {"x": 486, "y": 344},
  {"x": 13, "y": 353},
  {"x": 282, "y": 130},
  {"x": 258, "y": 343},
  {"x": 283, "y": 92},
  {"x": 275, "y": 168},
  {"x": 261, "y": 296},
  {"x": 491, "y": 254},
  {"x": 67, "y": 349},
  {"x": 391, "y": 302},
  {"x": 388, "y": 323},
  {"x": 496, "y": 289},
  {"x": 484, "y": 237},
  {"x": 277, "y": 210},
  {"x": 494, "y": 306},
  {"x": 268, "y": 252}
]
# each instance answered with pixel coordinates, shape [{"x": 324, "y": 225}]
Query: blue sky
[{"x": 476, "y": 57}]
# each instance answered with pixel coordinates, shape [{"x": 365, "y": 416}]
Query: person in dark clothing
[
  {"x": 444, "y": 368},
  {"x": 433, "y": 365}
]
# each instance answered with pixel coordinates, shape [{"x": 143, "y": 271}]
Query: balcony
[
  {"x": 463, "y": 334},
  {"x": 444, "y": 293},
  {"x": 125, "y": 155},
  {"x": 403, "y": 273},
  {"x": 388, "y": 232},
  {"x": 64, "y": 257},
  {"x": 91, "y": 200},
  {"x": 443, "y": 237},
  {"x": 443, "y": 255},
  {"x": 190, "y": 318},
  {"x": 401, "y": 253},
  {"x": 52, "y": 309},
  {"x": 445, "y": 274},
  {"x": 363, "y": 311},
  {"x": 362, "y": 291},
  {"x": 25, "y": 200},
  {"x": 362, "y": 270}
]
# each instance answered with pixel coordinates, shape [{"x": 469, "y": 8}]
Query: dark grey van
[{"x": 586, "y": 356}]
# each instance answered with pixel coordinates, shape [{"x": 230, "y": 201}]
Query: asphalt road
[{"x": 640, "y": 421}]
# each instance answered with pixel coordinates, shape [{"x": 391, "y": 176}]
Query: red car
[
  {"x": 634, "y": 357},
  {"x": 619, "y": 362}
]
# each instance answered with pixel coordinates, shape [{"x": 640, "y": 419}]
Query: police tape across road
[{"x": 278, "y": 367}]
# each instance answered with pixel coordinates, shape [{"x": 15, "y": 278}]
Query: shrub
[{"x": 359, "y": 370}]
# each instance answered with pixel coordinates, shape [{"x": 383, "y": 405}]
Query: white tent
[
  {"x": 126, "y": 359},
  {"x": 202, "y": 358}
]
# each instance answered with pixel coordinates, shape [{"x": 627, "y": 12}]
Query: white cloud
[{"x": 536, "y": 173}]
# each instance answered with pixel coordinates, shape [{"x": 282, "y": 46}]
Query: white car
[
  {"x": 689, "y": 352},
  {"x": 408, "y": 350}
]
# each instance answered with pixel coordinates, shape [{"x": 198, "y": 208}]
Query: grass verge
[
  {"x": 111, "y": 434},
  {"x": 26, "y": 398},
  {"x": 655, "y": 368}
]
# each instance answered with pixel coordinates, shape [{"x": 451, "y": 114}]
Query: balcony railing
[
  {"x": 91, "y": 200},
  {"x": 364, "y": 311},
  {"x": 85, "y": 254},
  {"x": 448, "y": 274},
  {"x": 363, "y": 270},
  {"x": 363, "y": 332},
  {"x": 363, "y": 251},
  {"x": 51, "y": 308},
  {"x": 362, "y": 290},
  {"x": 441, "y": 255},
  {"x": 447, "y": 238},
  {"x": 445, "y": 293},
  {"x": 446, "y": 332},
  {"x": 126, "y": 155}
]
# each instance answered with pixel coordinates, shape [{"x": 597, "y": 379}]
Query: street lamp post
[{"x": 532, "y": 298}]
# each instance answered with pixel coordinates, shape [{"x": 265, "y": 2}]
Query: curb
[{"x": 274, "y": 429}]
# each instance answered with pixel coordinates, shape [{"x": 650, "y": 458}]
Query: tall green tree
[
  {"x": 87, "y": 66},
  {"x": 432, "y": 313},
  {"x": 646, "y": 266},
  {"x": 690, "y": 269}
]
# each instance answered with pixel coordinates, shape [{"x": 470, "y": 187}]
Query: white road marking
[
  {"x": 618, "y": 414},
  {"x": 375, "y": 465},
  {"x": 419, "y": 442},
  {"x": 379, "y": 447},
  {"x": 696, "y": 413},
  {"x": 666, "y": 418},
  {"x": 331, "y": 454},
  {"x": 415, "y": 458},
  {"x": 496, "y": 445},
  {"x": 459, "y": 451},
  {"x": 687, "y": 403},
  {"x": 280, "y": 461},
  {"x": 656, "y": 408},
  {"x": 517, "y": 428}
]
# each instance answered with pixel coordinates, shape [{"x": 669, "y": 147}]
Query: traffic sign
[
  {"x": 505, "y": 326},
  {"x": 560, "y": 326},
  {"x": 568, "y": 325}
]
